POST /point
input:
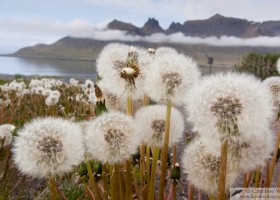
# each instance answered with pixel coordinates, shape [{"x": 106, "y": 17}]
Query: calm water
[
  {"x": 65, "y": 68},
  {"x": 47, "y": 67}
]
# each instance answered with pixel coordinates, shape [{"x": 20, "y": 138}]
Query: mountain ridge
[{"x": 217, "y": 25}]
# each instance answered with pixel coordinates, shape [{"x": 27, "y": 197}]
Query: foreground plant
[
  {"x": 168, "y": 81},
  {"x": 47, "y": 147},
  {"x": 233, "y": 108}
]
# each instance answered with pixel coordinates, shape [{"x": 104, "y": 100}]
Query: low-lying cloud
[
  {"x": 16, "y": 34},
  {"x": 107, "y": 35}
]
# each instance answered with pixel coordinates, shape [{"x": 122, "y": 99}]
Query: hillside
[{"x": 88, "y": 49}]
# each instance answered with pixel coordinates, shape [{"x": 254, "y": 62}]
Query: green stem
[
  {"x": 136, "y": 184},
  {"x": 148, "y": 168},
  {"x": 92, "y": 181},
  {"x": 153, "y": 174},
  {"x": 164, "y": 153},
  {"x": 128, "y": 190},
  {"x": 174, "y": 189},
  {"x": 274, "y": 158},
  {"x": 52, "y": 186},
  {"x": 129, "y": 105},
  {"x": 104, "y": 178},
  {"x": 211, "y": 196},
  {"x": 223, "y": 171},
  {"x": 257, "y": 177},
  {"x": 142, "y": 168},
  {"x": 112, "y": 183}
]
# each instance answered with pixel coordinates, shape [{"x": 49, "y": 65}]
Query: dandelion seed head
[
  {"x": 201, "y": 162},
  {"x": 150, "y": 122},
  {"x": 170, "y": 78},
  {"x": 48, "y": 147},
  {"x": 111, "y": 138},
  {"x": 230, "y": 105},
  {"x": 278, "y": 65},
  {"x": 273, "y": 84},
  {"x": 6, "y": 134}
]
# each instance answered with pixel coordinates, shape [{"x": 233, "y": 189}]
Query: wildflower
[
  {"x": 51, "y": 100},
  {"x": 48, "y": 147},
  {"x": 111, "y": 138},
  {"x": 274, "y": 85},
  {"x": 150, "y": 122},
  {"x": 170, "y": 78},
  {"x": 201, "y": 162},
  {"x": 6, "y": 134},
  {"x": 231, "y": 106}
]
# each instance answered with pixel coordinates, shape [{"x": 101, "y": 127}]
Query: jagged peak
[{"x": 217, "y": 16}]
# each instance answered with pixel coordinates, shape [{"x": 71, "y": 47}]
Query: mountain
[
  {"x": 216, "y": 25},
  {"x": 88, "y": 49},
  {"x": 150, "y": 27}
]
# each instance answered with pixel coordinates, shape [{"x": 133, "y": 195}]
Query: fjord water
[
  {"x": 62, "y": 68},
  {"x": 47, "y": 67}
]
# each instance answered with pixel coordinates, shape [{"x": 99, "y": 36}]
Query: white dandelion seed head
[
  {"x": 273, "y": 83},
  {"x": 89, "y": 83},
  {"x": 230, "y": 105},
  {"x": 51, "y": 100},
  {"x": 111, "y": 138},
  {"x": 25, "y": 91},
  {"x": 201, "y": 162},
  {"x": 150, "y": 122},
  {"x": 247, "y": 156},
  {"x": 73, "y": 82},
  {"x": 16, "y": 86},
  {"x": 47, "y": 92},
  {"x": 278, "y": 65},
  {"x": 55, "y": 93},
  {"x": 39, "y": 90},
  {"x": 48, "y": 147},
  {"x": 6, "y": 134},
  {"x": 170, "y": 78}
]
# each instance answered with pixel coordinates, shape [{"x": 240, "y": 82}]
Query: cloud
[
  {"x": 18, "y": 34},
  {"x": 107, "y": 35}
]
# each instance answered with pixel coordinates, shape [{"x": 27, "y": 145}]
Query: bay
[{"x": 63, "y": 68}]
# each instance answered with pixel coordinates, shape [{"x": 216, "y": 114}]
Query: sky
[{"x": 29, "y": 22}]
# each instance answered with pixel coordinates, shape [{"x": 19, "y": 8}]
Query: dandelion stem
[
  {"x": 257, "y": 177},
  {"x": 164, "y": 152},
  {"x": 129, "y": 105},
  {"x": 135, "y": 184},
  {"x": 267, "y": 179},
  {"x": 211, "y": 196},
  {"x": 128, "y": 191},
  {"x": 112, "y": 183},
  {"x": 92, "y": 181},
  {"x": 274, "y": 158},
  {"x": 223, "y": 171},
  {"x": 142, "y": 167},
  {"x": 190, "y": 191},
  {"x": 104, "y": 177},
  {"x": 53, "y": 188},
  {"x": 174, "y": 162},
  {"x": 148, "y": 168},
  {"x": 153, "y": 174}
]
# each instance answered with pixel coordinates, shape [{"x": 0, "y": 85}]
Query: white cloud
[{"x": 18, "y": 34}]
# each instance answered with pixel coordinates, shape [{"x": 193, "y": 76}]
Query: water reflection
[
  {"x": 50, "y": 67},
  {"x": 65, "y": 68}
]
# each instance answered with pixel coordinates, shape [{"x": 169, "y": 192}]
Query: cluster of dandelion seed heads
[{"x": 172, "y": 81}]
